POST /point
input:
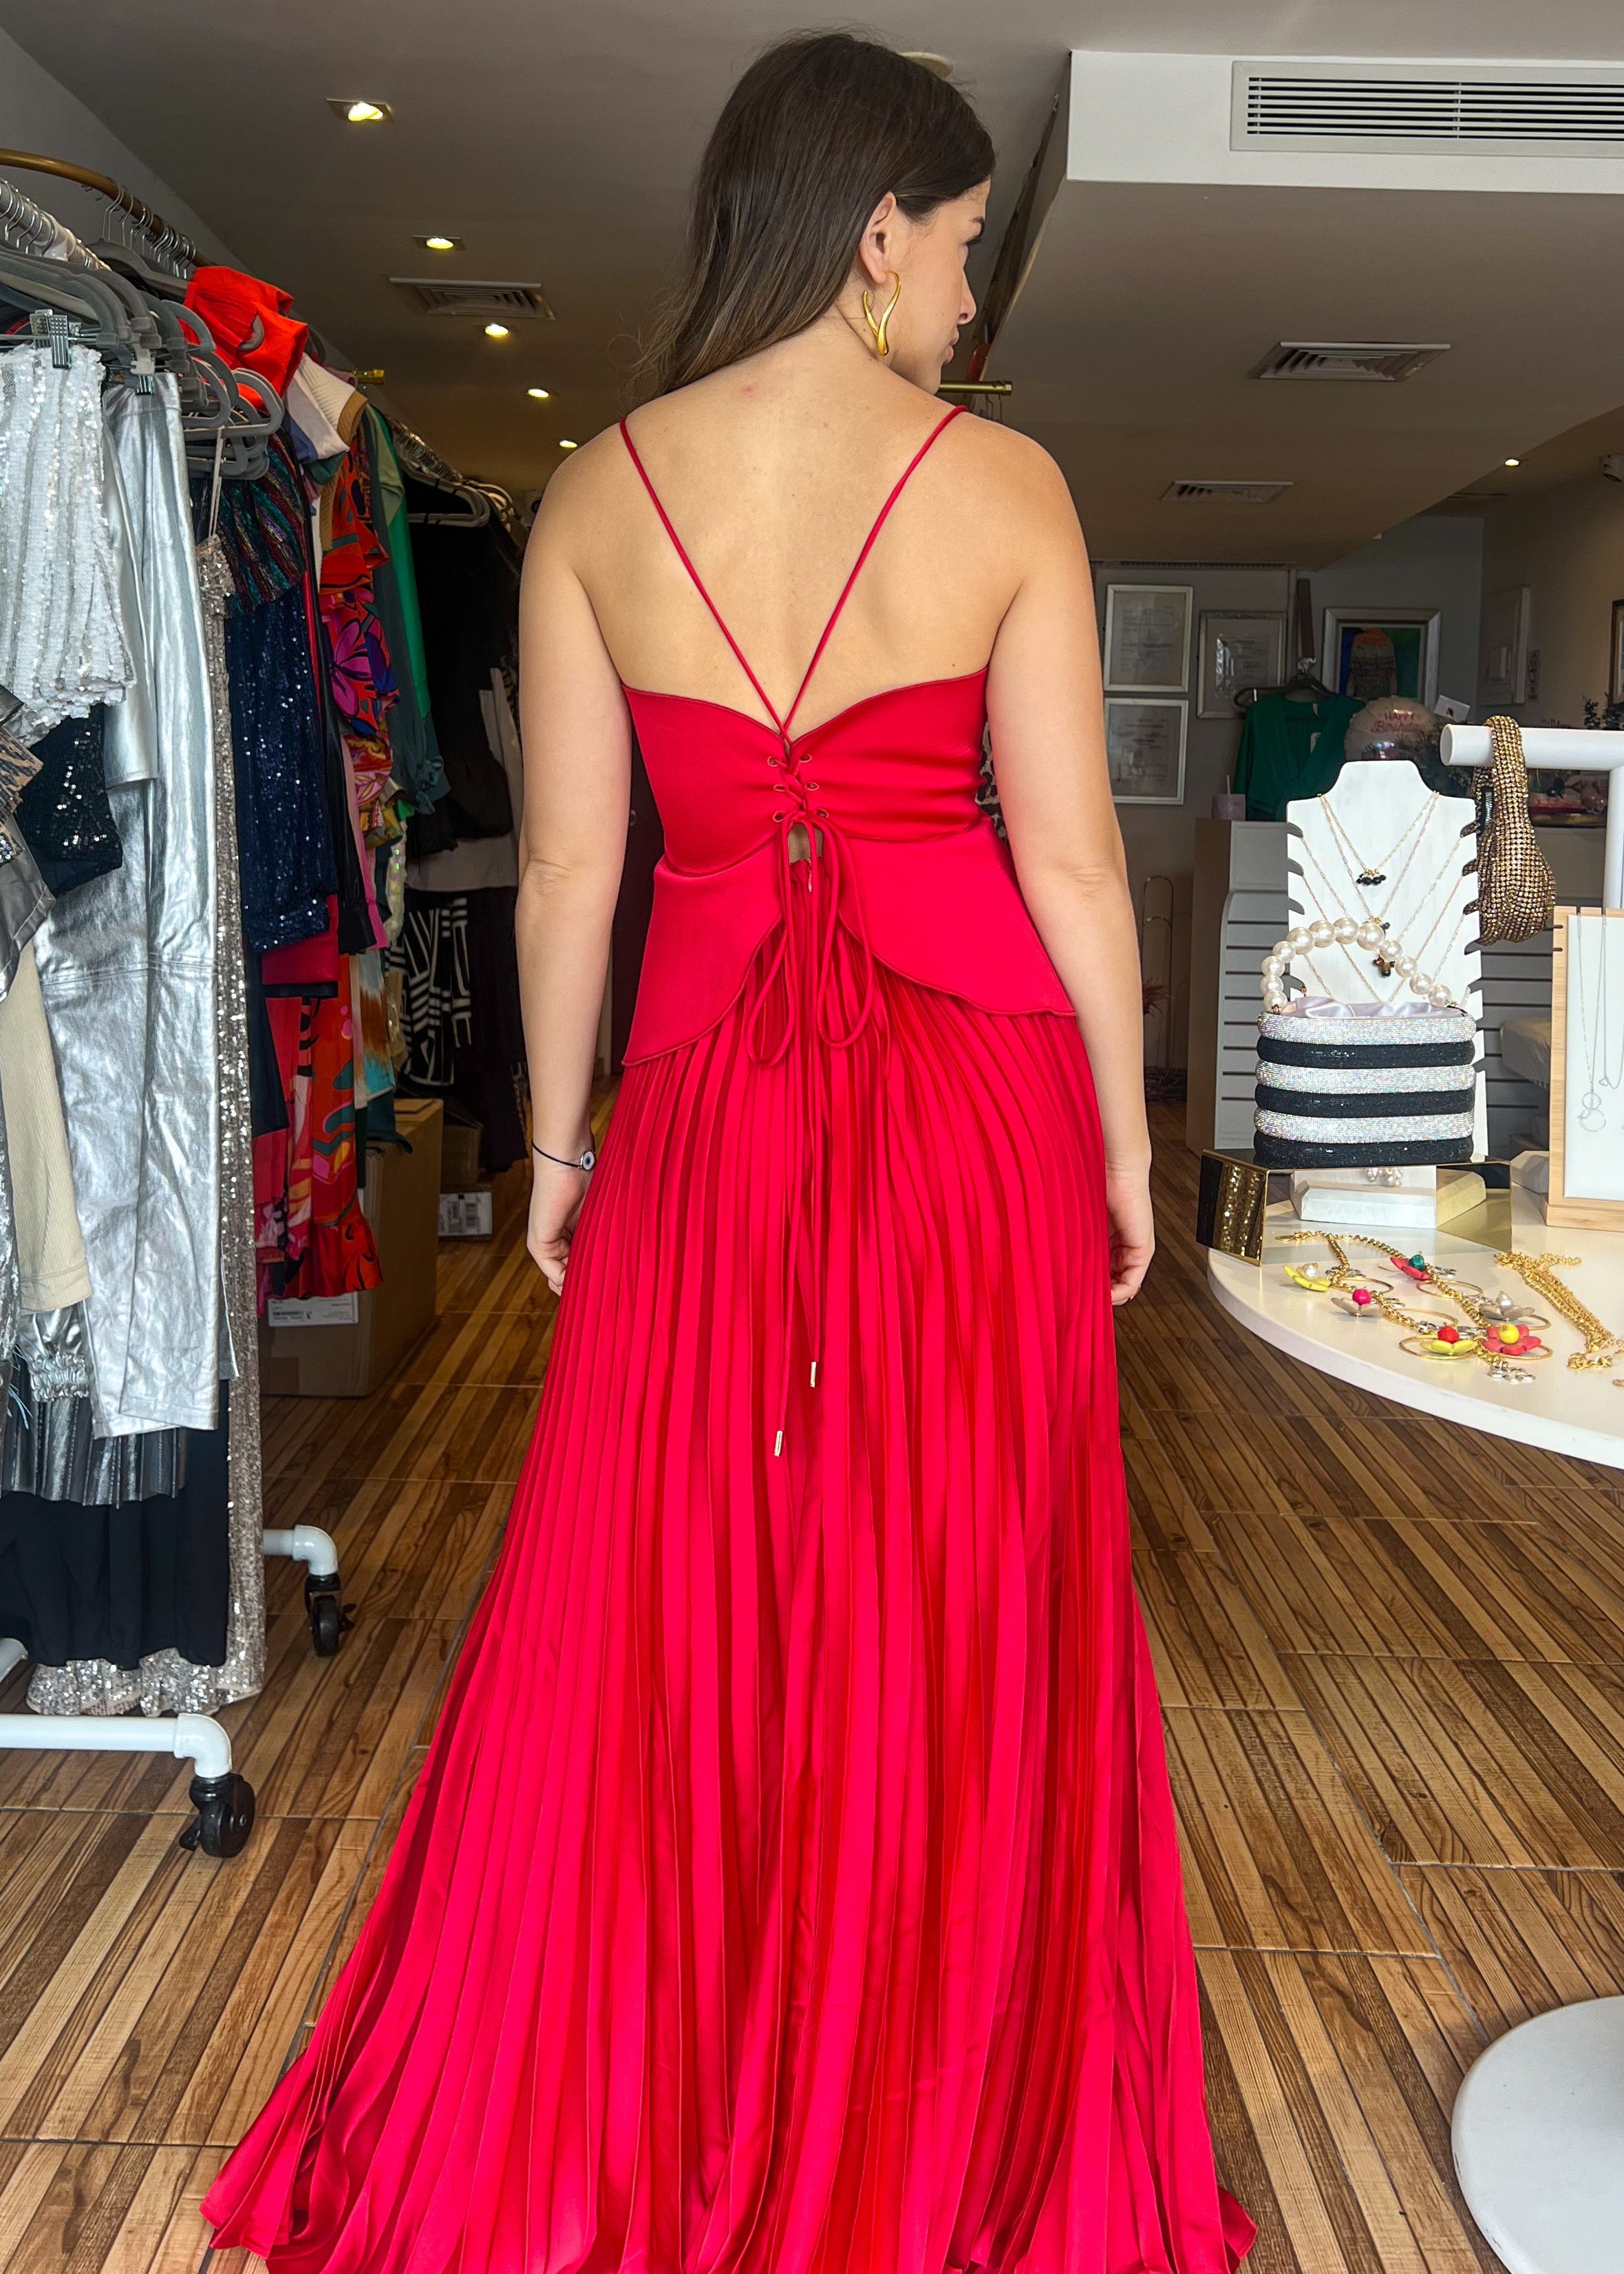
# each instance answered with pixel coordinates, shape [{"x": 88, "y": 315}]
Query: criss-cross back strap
[{"x": 783, "y": 724}]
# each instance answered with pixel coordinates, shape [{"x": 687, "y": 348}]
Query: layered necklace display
[
  {"x": 1595, "y": 1019},
  {"x": 1371, "y": 929}
]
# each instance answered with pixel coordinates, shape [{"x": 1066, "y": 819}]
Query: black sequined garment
[
  {"x": 284, "y": 841},
  {"x": 64, "y": 816}
]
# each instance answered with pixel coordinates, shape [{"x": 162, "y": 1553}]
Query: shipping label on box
[
  {"x": 314, "y": 1311},
  {"x": 465, "y": 1216}
]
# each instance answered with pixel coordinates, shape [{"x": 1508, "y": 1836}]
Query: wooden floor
[{"x": 1392, "y": 1658}]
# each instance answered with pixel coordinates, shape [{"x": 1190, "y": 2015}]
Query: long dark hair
[{"x": 817, "y": 132}]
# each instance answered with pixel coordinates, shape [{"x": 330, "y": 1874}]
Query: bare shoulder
[
  {"x": 1014, "y": 497},
  {"x": 1011, "y": 466},
  {"x": 578, "y": 488}
]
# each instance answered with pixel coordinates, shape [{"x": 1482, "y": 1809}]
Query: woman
[{"x": 793, "y": 1882}]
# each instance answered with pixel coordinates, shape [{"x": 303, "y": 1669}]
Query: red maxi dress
[{"x": 792, "y": 1886}]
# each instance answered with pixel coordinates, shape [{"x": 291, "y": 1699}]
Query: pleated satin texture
[
  {"x": 793, "y": 1882},
  {"x": 792, "y": 1886}
]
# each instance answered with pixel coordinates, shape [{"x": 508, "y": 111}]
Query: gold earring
[{"x": 878, "y": 324}]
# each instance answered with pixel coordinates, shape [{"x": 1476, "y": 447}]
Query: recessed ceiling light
[
  {"x": 439, "y": 244},
  {"x": 566, "y": 445},
  {"x": 496, "y": 331},
  {"x": 538, "y": 395},
  {"x": 1514, "y": 462},
  {"x": 939, "y": 66},
  {"x": 358, "y": 109}
]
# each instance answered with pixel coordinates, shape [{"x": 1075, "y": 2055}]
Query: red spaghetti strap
[
  {"x": 903, "y": 479},
  {"x": 781, "y": 724},
  {"x": 902, "y": 482}
]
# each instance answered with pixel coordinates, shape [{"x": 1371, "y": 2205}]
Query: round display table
[
  {"x": 1579, "y": 1414},
  {"x": 1539, "y": 2126}
]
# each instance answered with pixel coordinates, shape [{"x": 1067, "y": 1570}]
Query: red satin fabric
[
  {"x": 792, "y": 1886},
  {"x": 929, "y": 878}
]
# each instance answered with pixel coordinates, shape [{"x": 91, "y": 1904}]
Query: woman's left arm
[{"x": 577, "y": 778}]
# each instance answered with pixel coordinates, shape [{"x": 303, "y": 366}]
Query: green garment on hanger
[
  {"x": 1291, "y": 749},
  {"x": 423, "y": 768}
]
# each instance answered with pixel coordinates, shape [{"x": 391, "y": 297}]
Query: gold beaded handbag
[{"x": 1517, "y": 894}]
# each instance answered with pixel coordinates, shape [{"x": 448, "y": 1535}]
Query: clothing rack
[
  {"x": 165, "y": 246},
  {"x": 84, "y": 301},
  {"x": 482, "y": 500}
]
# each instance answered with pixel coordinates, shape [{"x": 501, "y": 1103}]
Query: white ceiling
[
  {"x": 559, "y": 141},
  {"x": 1150, "y": 304}
]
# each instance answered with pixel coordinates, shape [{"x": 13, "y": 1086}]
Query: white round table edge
[{"x": 1239, "y": 1289}]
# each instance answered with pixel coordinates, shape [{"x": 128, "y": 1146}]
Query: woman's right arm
[
  {"x": 577, "y": 777},
  {"x": 1044, "y": 703}
]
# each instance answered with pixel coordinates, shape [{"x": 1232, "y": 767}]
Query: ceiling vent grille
[
  {"x": 1237, "y": 492},
  {"x": 474, "y": 296},
  {"x": 1387, "y": 360},
  {"x": 1441, "y": 109}
]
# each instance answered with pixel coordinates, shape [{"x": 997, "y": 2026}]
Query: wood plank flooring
[{"x": 1391, "y": 1660}]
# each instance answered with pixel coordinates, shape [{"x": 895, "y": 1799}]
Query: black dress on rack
[{"x": 117, "y": 1578}]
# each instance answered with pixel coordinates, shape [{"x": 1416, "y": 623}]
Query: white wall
[
  {"x": 1567, "y": 544},
  {"x": 1433, "y": 561},
  {"x": 37, "y": 114}
]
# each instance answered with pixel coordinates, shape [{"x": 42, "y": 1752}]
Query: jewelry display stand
[
  {"x": 1538, "y": 2124},
  {"x": 1381, "y": 822}
]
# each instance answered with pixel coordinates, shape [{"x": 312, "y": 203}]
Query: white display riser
[{"x": 1240, "y": 910}]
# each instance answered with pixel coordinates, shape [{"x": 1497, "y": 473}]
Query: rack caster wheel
[
  {"x": 330, "y": 1619},
  {"x": 225, "y": 1816}
]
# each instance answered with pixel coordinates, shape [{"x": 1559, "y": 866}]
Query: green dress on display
[{"x": 1291, "y": 749}]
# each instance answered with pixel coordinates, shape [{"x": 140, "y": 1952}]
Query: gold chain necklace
[
  {"x": 1367, "y": 875},
  {"x": 1602, "y": 1348},
  {"x": 1496, "y": 1338}
]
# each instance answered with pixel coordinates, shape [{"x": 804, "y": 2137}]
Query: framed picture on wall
[
  {"x": 1148, "y": 638},
  {"x": 1238, "y": 651},
  {"x": 1502, "y": 666},
  {"x": 1144, "y": 749},
  {"x": 1373, "y": 651}
]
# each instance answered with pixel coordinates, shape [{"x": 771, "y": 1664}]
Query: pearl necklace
[{"x": 1342, "y": 931}]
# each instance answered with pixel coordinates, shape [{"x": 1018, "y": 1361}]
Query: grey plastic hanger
[{"x": 98, "y": 315}]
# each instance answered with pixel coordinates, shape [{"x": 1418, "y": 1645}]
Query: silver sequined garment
[
  {"x": 63, "y": 647},
  {"x": 165, "y": 1683}
]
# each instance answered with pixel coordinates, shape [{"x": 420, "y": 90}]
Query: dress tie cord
[{"x": 808, "y": 989}]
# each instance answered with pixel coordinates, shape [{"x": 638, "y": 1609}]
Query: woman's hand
[
  {"x": 1134, "y": 1230},
  {"x": 556, "y": 1194}
]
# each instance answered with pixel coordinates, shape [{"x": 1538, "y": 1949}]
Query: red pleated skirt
[{"x": 793, "y": 1882}]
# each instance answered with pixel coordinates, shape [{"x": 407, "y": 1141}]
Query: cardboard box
[
  {"x": 371, "y": 1332},
  {"x": 460, "y": 1147}
]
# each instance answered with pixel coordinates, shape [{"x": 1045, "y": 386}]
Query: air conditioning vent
[
  {"x": 1238, "y": 492},
  {"x": 1560, "y": 109},
  {"x": 474, "y": 296},
  {"x": 1388, "y": 360}
]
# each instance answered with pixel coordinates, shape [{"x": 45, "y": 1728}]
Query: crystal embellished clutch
[{"x": 1354, "y": 1085}]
